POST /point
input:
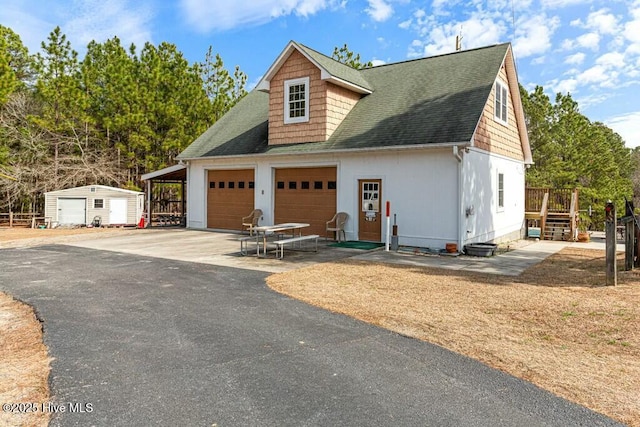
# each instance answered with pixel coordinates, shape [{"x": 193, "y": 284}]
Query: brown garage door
[
  {"x": 306, "y": 195},
  {"x": 229, "y": 198}
]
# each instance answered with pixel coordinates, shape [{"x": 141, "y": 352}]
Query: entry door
[
  {"x": 117, "y": 211},
  {"x": 370, "y": 212}
]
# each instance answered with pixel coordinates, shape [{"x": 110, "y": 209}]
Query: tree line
[
  {"x": 121, "y": 112},
  {"x": 570, "y": 151},
  {"x": 106, "y": 119}
]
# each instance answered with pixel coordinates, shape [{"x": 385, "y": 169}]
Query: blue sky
[{"x": 589, "y": 48}]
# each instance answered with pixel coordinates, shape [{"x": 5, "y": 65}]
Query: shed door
[
  {"x": 230, "y": 196},
  {"x": 117, "y": 211},
  {"x": 72, "y": 211},
  {"x": 306, "y": 195}
]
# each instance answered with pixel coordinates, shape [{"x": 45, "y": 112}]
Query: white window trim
[
  {"x": 498, "y": 207},
  {"x": 287, "y": 86},
  {"x": 94, "y": 203},
  {"x": 497, "y": 113}
]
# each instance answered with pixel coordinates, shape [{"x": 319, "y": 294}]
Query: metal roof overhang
[{"x": 171, "y": 173}]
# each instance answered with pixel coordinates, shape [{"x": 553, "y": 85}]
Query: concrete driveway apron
[{"x": 150, "y": 341}]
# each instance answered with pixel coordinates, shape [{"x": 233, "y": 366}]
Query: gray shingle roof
[
  {"x": 425, "y": 101},
  {"x": 337, "y": 69}
]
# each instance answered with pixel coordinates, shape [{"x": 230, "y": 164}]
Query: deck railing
[{"x": 560, "y": 200}]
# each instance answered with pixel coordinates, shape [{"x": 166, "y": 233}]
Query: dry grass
[
  {"x": 25, "y": 365},
  {"x": 554, "y": 325},
  {"x": 21, "y": 237}
]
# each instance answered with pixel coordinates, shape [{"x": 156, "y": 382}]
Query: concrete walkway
[
  {"x": 223, "y": 249},
  {"x": 511, "y": 263}
]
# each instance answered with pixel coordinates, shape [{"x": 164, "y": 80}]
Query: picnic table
[{"x": 264, "y": 231}]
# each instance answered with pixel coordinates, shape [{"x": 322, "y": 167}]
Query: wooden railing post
[
  {"x": 573, "y": 210},
  {"x": 543, "y": 214},
  {"x": 10, "y": 219}
]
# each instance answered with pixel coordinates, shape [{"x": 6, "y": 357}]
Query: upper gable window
[
  {"x": 502, "y": 103},
  {"x": 296, "y": 100}
]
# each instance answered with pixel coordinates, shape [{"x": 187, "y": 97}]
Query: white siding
[
  {"x": 135, "y": 202},
  {"x": 421, "y": 185},
  {"x": 485, "y": 221}
]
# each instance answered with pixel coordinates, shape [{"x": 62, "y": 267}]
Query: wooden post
[
  {"x": 629, "y": 243},
  {"x": 10, "y": 219},
  {"x": 637, "y": 244},
  {"x": 610, "y": 242},
  {"x": 149, "y": 203}
]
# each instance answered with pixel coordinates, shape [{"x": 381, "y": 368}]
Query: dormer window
[{"x": 296, "y": 100}]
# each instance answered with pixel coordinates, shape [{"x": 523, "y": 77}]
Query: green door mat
[{"x": 353, "y": 244}]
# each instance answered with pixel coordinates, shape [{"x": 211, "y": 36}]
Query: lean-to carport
[{"x": 161, "y": 210}]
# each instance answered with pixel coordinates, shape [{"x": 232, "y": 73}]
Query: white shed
[{"x": 80, "y": 205}]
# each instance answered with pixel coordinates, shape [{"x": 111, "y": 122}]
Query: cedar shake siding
[
  {"x": 494, "y": 136},
  {"x": 340, "y": 101},
  {"x": 328, "y": 104}
]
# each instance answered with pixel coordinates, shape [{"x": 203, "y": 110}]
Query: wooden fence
[{"x": 25, "y": 220}]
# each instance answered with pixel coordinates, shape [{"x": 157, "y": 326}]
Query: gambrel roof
[{"x": 423, "y": 102}]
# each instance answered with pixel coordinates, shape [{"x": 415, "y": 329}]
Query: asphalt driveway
[{"x": 151, "y": 341}]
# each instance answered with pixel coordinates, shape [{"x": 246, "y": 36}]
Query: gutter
[
  {"x": 462, "y": 226},
  {"x": 338, "y": 151}
]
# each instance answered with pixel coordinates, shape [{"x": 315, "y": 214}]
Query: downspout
[{"x": 458, "y": 154}]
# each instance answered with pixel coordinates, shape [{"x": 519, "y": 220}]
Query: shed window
[
  {"x": 317, "y": 185},
  {"x": 221, "y": 184},
  {"x": 232, "y": 184},
  {"x": 212, "y": 184},
  {"x": 98, "y": 203},
  {"x": 252, "y": 184},
  {"x": 304, "y": 185},
  {"x": 292, "y": 185},
  {"x": 240, "y": 184}
]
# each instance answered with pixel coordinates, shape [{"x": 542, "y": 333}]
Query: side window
[
  {"x": 500, "y": 191},
  {"x": 501, "y": 103}
]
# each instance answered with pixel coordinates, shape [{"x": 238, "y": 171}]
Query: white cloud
[
  {"x": 611, "y": 59},
  {"x": 31, "y": 27},
  {"x": 557, "y": 4},
  {"x": 220, "y": 15},
  {"x": 379, "y": 10},
  {"x": 603, "y": 22},
  {"x": 477, "y": 31},
  {"x": 81, "y": 21},
  {"x": 589, "y": 41},
  {"x": 563, "y": 86},
  {"x": 595, "y": 74},
  {"x": 632, "y": 30},
  {"x": 575, "y": 59},
  {"x": 533, "y": 35},
  {"x": 405, "y": 24},
  {"x": 377, "y": 62},
  {"x": 627, "y": 126},
  {"x": 99, "y": 20}
]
